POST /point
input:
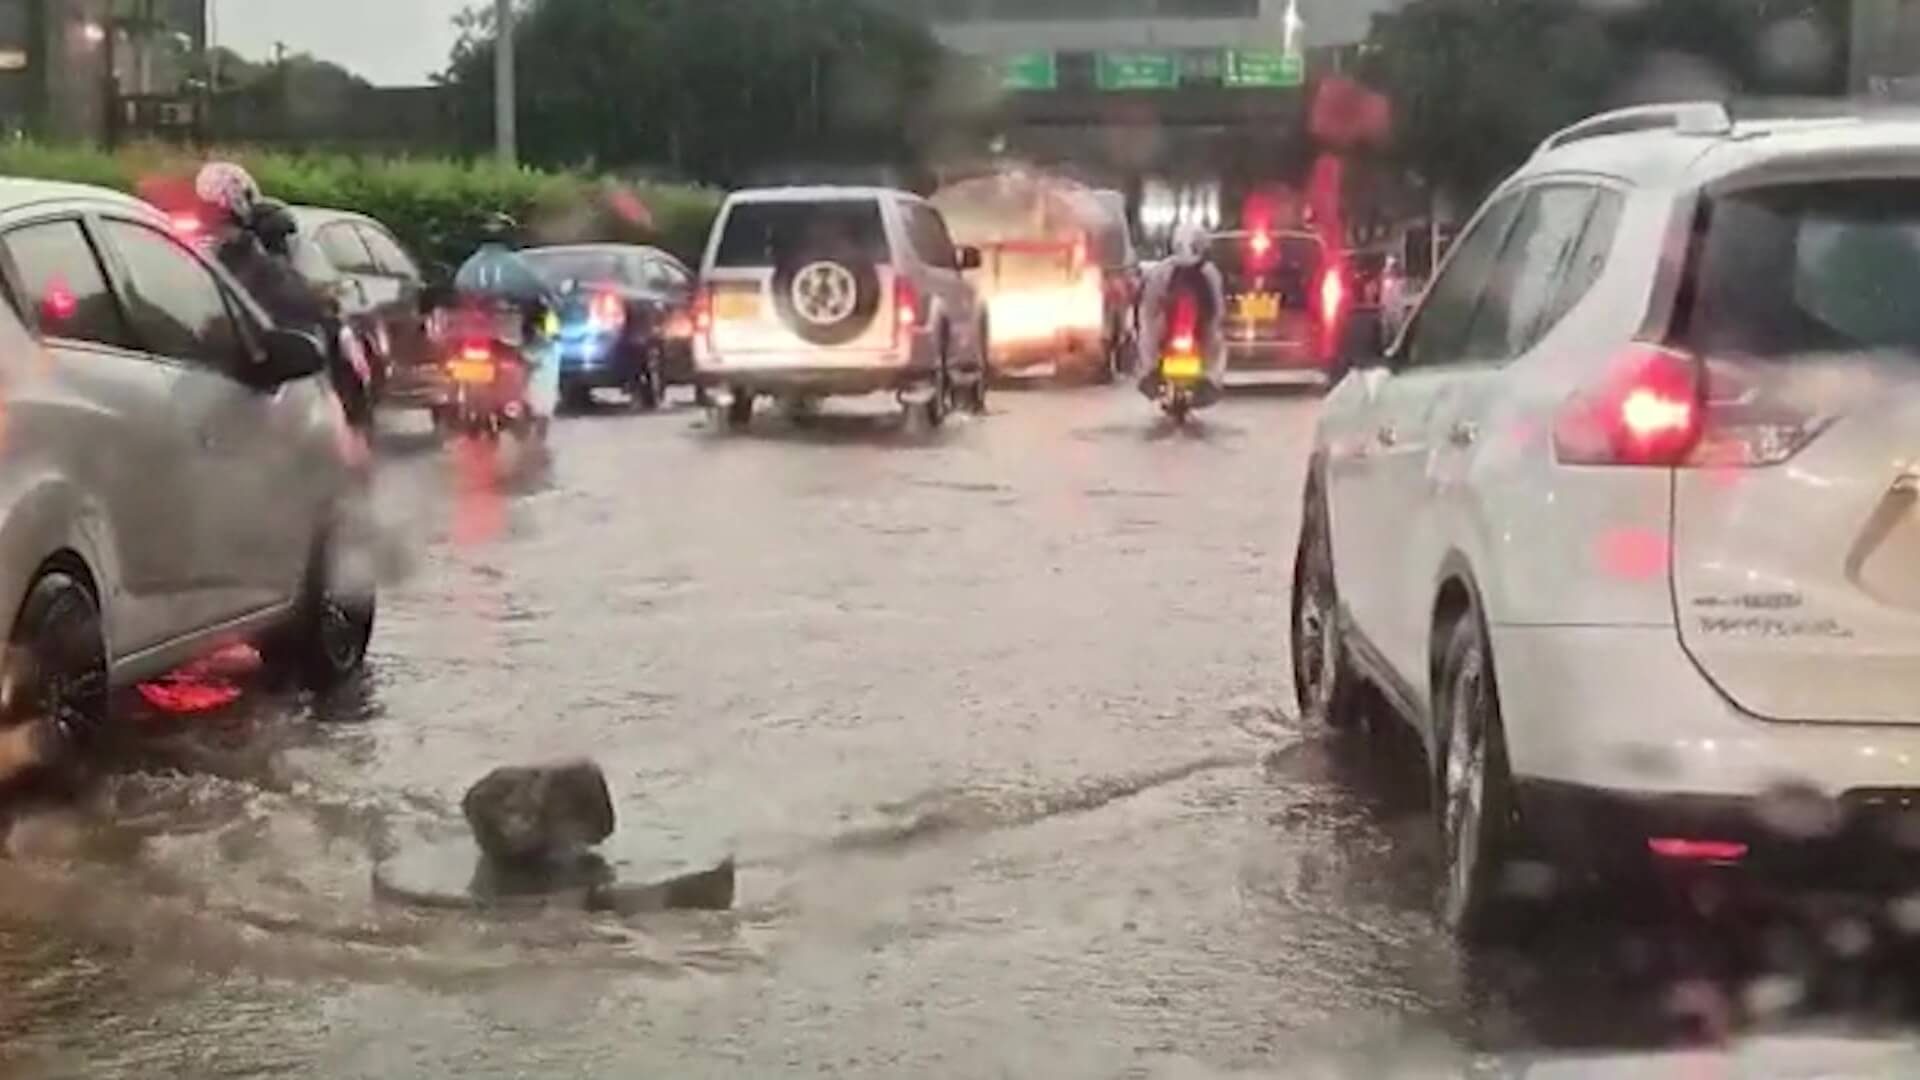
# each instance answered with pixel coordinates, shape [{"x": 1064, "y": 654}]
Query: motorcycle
[
  {"x": 489, "y": 381},
  {"x": 1182, "y": 375}
]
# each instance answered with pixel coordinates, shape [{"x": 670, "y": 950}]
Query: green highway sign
[
  {"x": 1136, "y": 71},
  {"x": 1264, "y": 69},
  {"x": 1029, "y": 71}
]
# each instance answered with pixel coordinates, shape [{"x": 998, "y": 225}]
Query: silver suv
[
  {"x": 812, "y": 292},
  {"x": 177, "y": 473}
]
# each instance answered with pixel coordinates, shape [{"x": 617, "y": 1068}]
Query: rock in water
[{"x": 539, "y": 813}]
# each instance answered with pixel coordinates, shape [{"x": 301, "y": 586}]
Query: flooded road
[{"x": 997, "y": 722}]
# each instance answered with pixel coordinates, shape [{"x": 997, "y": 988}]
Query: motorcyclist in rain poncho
[
  {"x": 497, "y": 274},
  {"x": 1189, "y": 271}
]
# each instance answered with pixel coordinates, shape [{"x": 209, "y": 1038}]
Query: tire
[
  {"x": 56, "y": 667},
  {"x": 645, "y": 389},
  {"x": 934, "y": 412},
  {"x": 1473, "y": 799},
  {"x": 740, "y": 411},
  {"x": 1326, "y": 686},
  {"x": 325, "y": 643},
  {"x": 854, "y": 283}
]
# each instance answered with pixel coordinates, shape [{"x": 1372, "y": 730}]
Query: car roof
[
  {"x": 595, "y": 249},
  {"x": 17, "y": 192},
  {"x": 818, "y": 193},
  {"x": 1690, "y": 154},
  {"x": 314, "y": 217}
]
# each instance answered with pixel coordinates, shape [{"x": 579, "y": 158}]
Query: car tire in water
[
  {"x": 1474, "y": 807},
  {"x": 1326, "y": 686},
  {"x": 826, "y": 299},
  {"x": 324, "y": 643},
  {"x": 56, "y": 662},
  {"x": 933, "y": 413}
]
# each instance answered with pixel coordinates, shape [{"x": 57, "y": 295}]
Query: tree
[
  {"x": 1476, "y": 84},
  {"x": 713, "y": 89}
]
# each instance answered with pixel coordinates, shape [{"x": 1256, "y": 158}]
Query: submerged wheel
[
  {"x": 1325, "y": 684},
  {"x": 325, "y": 642},
  {"x": 1474, "y": 804},
  {"x": 55, "y": 671}
]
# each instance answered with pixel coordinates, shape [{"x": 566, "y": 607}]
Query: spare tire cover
[{"x": 825, "y": 297}]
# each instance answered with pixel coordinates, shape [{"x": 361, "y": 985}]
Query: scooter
[{"x": 1182, "y": 375}]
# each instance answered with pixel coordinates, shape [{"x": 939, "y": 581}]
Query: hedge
[{"x": 435, "y": 206}]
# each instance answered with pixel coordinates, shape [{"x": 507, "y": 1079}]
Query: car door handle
[
  {"x": 1388, "y": 435},
  {"x": 1464, "y": 434}
]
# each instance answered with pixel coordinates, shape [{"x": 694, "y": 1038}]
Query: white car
[
  {"x": 1628, "y": 520},
  {"x": 812, "y": 292},
  {"x": 176, "y": 474}
]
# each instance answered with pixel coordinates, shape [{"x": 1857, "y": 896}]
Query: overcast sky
[{"x": 390, "y": 42}]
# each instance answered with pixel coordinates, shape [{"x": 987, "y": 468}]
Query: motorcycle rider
[
  {"x": 495, "y": 274},
  {"x": 252, "y": 237},
  {"x": 1190, "y": 275}
]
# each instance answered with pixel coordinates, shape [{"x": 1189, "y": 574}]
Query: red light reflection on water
[{"x": 212, "y": 682}]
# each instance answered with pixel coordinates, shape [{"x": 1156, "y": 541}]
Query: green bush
[{"x": 436, "y": 207}]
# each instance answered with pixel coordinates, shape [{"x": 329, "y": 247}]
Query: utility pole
[{"x": 506, "y": 140}]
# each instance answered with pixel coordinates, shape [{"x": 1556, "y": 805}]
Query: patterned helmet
[{"x": 228, "y": 187}]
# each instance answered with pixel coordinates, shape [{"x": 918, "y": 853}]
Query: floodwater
[{"x": 997, "y": 721}]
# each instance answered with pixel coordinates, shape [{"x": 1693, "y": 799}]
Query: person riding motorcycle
[
  {"x": 252, "y": 237},
  {"x": 1189, "y": 275},
  {"x": 497, "y": 274}
]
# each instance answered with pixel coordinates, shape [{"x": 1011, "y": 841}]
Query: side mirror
[
  {"x": 291, "y": 354},
  {"x": 970, "y": 258}
]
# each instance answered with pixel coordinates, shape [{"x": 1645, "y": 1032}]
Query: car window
[
  {"x": 344, "y": 249},
  {"x": 931, "y": 241},
  {"x": 765, "y": 234},
  {"x": 676, "y": 275},
  {"x": 62, "y": 279},
  {"x": 648, "y": 273},
  {"x": 1588, "y": 261},
  {"x": 1527, "y": 275},
  {"x": 178, "y": 308},
  {"x": 1439, "y": 327},
  {"x": 388, "y": 255},
  {"x": 1809, "y": 268}
]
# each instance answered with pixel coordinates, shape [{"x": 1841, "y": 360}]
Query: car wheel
[
  {"x": 740, "y": 410},
  {"x": 645, "y": 388},
  {"x": 325, "y": 642},
  {"x": 1473, "y": 803},
  {"x": 1325, "y": 684},
  {"x": 56, "y": 666},
  {"x": 934, "y": 412}
]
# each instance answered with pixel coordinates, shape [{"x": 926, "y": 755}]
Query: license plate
[
  {"x": 1180, "y": 367},
  {"x": 1259, "y": 307},
  {"x": 471, "y": 371},
  {"x": 736, "y": 304}
]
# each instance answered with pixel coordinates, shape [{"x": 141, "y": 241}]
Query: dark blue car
[{"x": 625, "y": 320}]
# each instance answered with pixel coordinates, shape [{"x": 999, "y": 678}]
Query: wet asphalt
[{"x": 997, "y": 720}]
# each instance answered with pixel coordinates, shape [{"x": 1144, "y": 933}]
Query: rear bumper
[
  {"x": 1869, "y": 839},
  {"x": 415, "y": 386},
  {"x": 1253, "y": 355},
  {"x": 1661, "y": 752},
  {"x": 765, "y": 377},
  {"x": 1066, "y": 348}
]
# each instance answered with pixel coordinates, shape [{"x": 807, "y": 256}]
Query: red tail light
[
  {"x": 1711, "y": 851},
  {"x": 1646, "y": 411},
  {"x": 1260, "y": 244},
  {"x": 476, "y": 352},
  {"x": 703, "y": 310},
  {"x": 906, "y": 308},
  {"x": 607, "y": 310},
  {"x": 1183, "y": 324},
  {"x": 1181, "y": 345},
  {"x": 1333, "y": 297}
]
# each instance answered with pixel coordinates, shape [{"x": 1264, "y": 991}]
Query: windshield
[{"x": 731, "y": 544}]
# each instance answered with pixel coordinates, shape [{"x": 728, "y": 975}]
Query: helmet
[
  {"x": 1189, "y": 244},
  {"x": 227, "y": 188},
  {"x": 499, "y": 227}
]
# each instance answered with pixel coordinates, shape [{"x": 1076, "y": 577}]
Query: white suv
[
  {"x": 811, "y": 292},
  {"x": 1628, "y": 520},
  {"x": 174, "y": 474}
]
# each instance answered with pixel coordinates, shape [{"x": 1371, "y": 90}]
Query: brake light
[
  {"x": 607, "y": 311},
  {"x": 1260, "y": 244},
  {"x": 1647, "y": 411},
  {"x": 906, "y": 308},
  {"x": 1333, "y": 297},
  {"x": 476, "y": 353},
  {"x": 1710, "y": 851},
  {"x": 1181, "y": 345},
  {"x": 703, "y": 310},
  {"x": 186, "y": 225}
]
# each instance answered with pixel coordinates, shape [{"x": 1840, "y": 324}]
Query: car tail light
[
  {"x": 906, "y": 308},
  {"x": 607, "y": 311},
  {"x": 1690, "y": 850},
  {"x": 1333, "y": 296},
  {"x": 1646, "y": 411},
  {"x": 1260, "y": 244},
  {"x": 703, "y": 311},
  {"x": 476, "y": 352},
  {"x": 1181, "y": 345}
]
